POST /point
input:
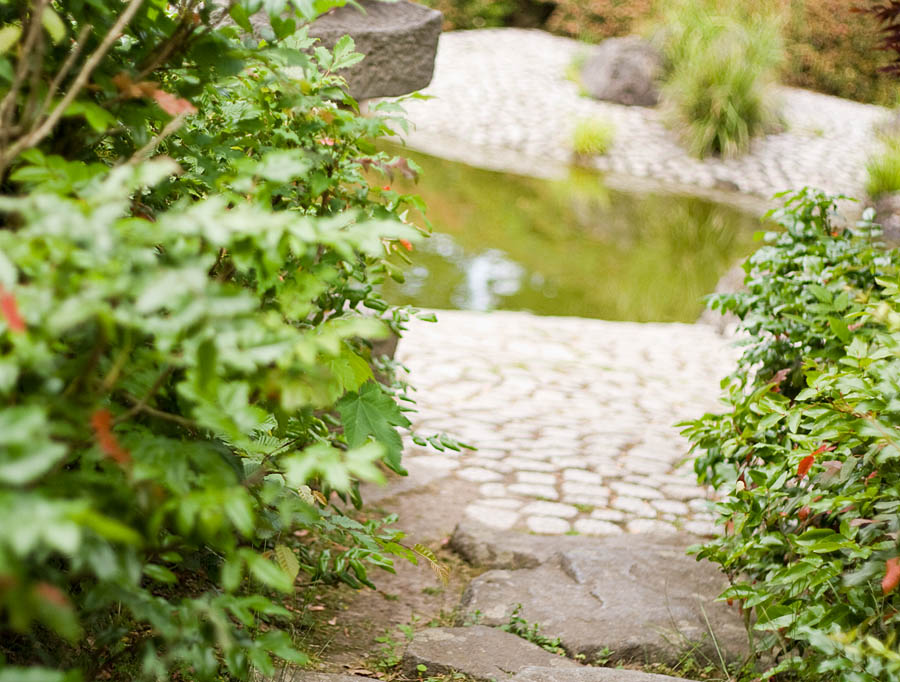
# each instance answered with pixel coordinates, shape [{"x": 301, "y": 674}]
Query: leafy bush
[
  {"x": 186, "y": 376},
  {"x": 806, "y": 458},
  {"x": 884, "y": 169},
  {"x": 592, "y": 136},
  {"x": 720, "y": 59}
]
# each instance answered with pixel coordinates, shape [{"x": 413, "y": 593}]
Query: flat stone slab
[
  {"x": 480, "y": 652},
  {"x": 641, "y": 597},
  {"x": 586, "y": 674},
  {"x": 485, "y": 547}
]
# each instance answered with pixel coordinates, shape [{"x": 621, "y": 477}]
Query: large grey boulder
[
  {"x": 590, "y": 675},
  {"x": 623, "y": 70},
  {"x": 479, "y": 652},
  {"x": 639, "y": 596},
  {"x": 399, "y": 40}
]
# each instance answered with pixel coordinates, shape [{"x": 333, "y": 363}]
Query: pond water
[{"x": 566, "y": 247}]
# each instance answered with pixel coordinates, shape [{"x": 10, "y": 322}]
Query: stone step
[
  {"x": 479, "y": 652},
  {"x": 589, "y": 674},
  {"x": 621, "y": 598}
]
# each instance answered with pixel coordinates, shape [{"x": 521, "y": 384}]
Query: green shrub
[
  {"x": 720, "y": 65},
  {"x": 807, "y": 459},
  {"x": 186, "y": 382},
  {"x": 592, "y": 136},
  {"x": 884, "y": 169}
]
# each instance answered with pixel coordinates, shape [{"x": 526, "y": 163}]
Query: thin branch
[
  {"x": 7, "y": 105},
  {"x": 65, "y": 68},
  {"x": 145, "y": 151},
  {"x": 142, "y": 403},
  {"x": 81, "y": 80},
  {"x": 181, "y": 34},
  {"x": 159, "y": 414}
]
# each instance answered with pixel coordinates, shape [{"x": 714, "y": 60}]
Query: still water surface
[{"x": 566, "y": 247}]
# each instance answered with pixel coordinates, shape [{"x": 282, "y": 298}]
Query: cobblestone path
[
  {"x": 573, "y": 418},
  {"x": 501, "y": 101}
]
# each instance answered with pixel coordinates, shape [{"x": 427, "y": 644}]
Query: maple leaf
[{"x": 373, "y": 413}]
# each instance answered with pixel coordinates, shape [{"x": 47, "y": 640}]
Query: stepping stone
[
  {"x": 587, "y": 674},
  {"x": 484, "y": 547},
  {"x": 480, "y": 652},
  {"x": 641, "y": 597}
]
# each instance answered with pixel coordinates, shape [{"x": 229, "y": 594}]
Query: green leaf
[
  {"x": 373, "y": 413},
  {"x": 160, "y": 574},
  {"x": 268, "y": 573},
  {"x": 9, "y": 36},
  {"x": 287, "y": 561},
  {"x": 53, "y": 25}
]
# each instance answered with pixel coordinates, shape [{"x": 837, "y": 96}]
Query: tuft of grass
[
  {"x": 883, "y": 170},
  {"x": 592, "y": 137},
  {"x": 722, "y": 57}
]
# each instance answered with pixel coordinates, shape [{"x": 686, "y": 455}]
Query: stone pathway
[
  {"x": 573, "y": 418},
  {"x": 501, "y": 101}
]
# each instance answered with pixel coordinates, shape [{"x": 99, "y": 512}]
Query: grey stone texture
[
  {"x": 533, "y": 674},
  {"x": 399, "y": 40},
  {"x": 887, "y": 214},
  {"x": 480, "y": 652},
  {"x": 642, "y": 598},
  {"x": 625, "y": 71},
  {"x": 297, "y": 675}
]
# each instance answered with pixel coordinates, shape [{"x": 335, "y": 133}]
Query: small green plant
[
  {"x": 883, "y": 170},
  {"x": 520, "y": 627},
  {"x": 721, "y": 59},
  {"x": 807, "y": 457},
  {"x": 592, "y": 137}
]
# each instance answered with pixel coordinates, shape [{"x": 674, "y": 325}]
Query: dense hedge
[
  {"x": 188, "y": 245},
  {"x": 807, "y": 457},
  {"x": 829, "y": 48}
]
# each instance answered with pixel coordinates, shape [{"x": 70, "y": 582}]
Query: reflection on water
[{"x": 568, "y": 247}]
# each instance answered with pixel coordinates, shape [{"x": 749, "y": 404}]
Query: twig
[
  {"x": 159, "y": 414},
  {"x": 65, "y": 68},
  {"x": 142, "y": 403},
  {"x": 145, "y": 151},
  {"x": 25, "y": 62},
  {"x": 81, "y": 80}
]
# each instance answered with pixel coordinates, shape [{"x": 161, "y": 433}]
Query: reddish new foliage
[
  {"x": 805, "y": 464},
  {"x": 406, "y": 244},
  {"x": 101, "y": 422},
  {"x": 52, "y": 595},
  {"x": 10, "y": 311},
  {"x": 887, "y": 12},
  {"x": 891, "y": 575},
  {"x": 168, "y": 102}
]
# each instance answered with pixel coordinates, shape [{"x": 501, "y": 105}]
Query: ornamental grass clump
[
  {"x": 592, "y": 137},
  {"x": 190, "y": 259},
  {"x": 883, "y": 170},
  {"x": 807, "y": 455},
  {"x": 721, "y": 62}
]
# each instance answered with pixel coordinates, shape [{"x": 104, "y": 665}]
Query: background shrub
[
  {"x": 720, "y": 59},
  {"x": 806, "y": 457},
  {"x": 187, "y": 391},
  {"x": 829, "y": 48}
]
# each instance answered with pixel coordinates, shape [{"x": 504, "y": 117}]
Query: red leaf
[
  {"x": 10, "y": 310},
  {"x": 52, "y": 595},
  {"x": 406, "y": 244},
  {"x": 803, "y": 513},
  {"x": 101, "y": 421},
  {"x": 805, "y": 464},
  {"x": 891, "y": 575},
  {"x": 172, "y": 105}
]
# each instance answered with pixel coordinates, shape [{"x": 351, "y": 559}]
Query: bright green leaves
[
  {"x": 26, "y": 451},
  {"x": 811, "y": 434},
  {"x": 372, "y": 413}
]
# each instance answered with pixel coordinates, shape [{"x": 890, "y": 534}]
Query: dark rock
[
  {"x": 399, "y": 40},
  {"x": 640, "y": 596},
  {"x": 590, "y": 675},
  {"x": 624, "y": 70},
  {"x": 480, "y": 652},
  {"x": 887, "y": 214}
]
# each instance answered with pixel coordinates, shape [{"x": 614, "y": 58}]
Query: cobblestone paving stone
[
  {"x": 573, "y": 417},
  {"x": 501, "y": 101}
]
